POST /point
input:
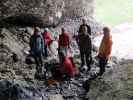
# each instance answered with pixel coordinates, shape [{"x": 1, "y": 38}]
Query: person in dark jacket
[
  {"x": 84, "y": 24},
  {"x": 85, "y": 44},
  {"x": 37, "y": 48}
]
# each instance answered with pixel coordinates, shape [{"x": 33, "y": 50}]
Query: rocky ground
[
  {"x": 115, "y": 85},
  {"x": 18, "y": 83}
]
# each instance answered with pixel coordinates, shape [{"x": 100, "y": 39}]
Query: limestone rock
[{"x": 46, "y": 12}]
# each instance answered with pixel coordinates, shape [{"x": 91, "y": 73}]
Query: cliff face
[{"x": 48, "y": 11}]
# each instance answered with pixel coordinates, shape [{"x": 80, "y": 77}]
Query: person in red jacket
[
  {"x": 47, "y": 40},
  {"x": 67, "y": 66},
  {"x": 64, "y": 41}
]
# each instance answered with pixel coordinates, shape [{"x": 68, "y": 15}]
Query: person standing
[
  {"x": 105, "y": 49},
  {"x": 64, "y": 42},
  {"x": 48, "y": 40},
  {"x": 37, "y": 48},
  {"x": 85, "y": 44},
  {"x": 84, "y": 24}
]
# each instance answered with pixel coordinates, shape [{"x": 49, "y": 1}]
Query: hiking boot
[
  {"x": 86, "y": 85},
  {"x": 89, "y": 68},
  {"x": 100, "y": 73}
]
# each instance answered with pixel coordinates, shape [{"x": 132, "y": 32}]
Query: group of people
[{"x": 40, "y": 44}]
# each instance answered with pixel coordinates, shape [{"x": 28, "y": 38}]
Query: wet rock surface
[
  {"x": 43, "y": 12},
  {"x": 18, "y": 83},
  {"x": 114, "y": 85}
]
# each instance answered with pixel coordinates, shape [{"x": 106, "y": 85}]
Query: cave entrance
[{"x": 119, "y": 16}]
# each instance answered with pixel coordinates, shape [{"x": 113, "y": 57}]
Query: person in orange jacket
[{"x": 105, "y": 49}]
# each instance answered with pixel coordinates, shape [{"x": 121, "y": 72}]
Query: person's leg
[
  {"x": 66, "y": 51},
  {"x": 102, "y": 64},
  {"x": 82, "y": 54},
  {"x": 40, "y": 67},
  {"x": 40, "y": 59},
  {"x": 36, "y": 61},
  {"x": 90, "y": 52},
  {"x": 46, "y": 51},
  {"x": 51, "y": 49},
  {"x": 88, "y": 60},
  {"x": 37, "y": 66}
]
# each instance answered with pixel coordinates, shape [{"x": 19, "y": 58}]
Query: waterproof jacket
[
  {"x": 81, "y": 29},
  {"x": 68, "y": 67},
  {"x": 47, "y": 38},
  {"x": 105, "y": 47},
  {"x": 84, "y": 42},
  {"x": 64, "y": 40},
  {"x": 37, "y": 44}
]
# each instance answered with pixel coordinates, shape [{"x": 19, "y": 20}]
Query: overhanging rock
[{"x": 49, "y": 12}]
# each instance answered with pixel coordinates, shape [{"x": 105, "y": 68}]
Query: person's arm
[
  {"x": 89, "y": 29},
  {"x": 42, "y": 44},
  {"x": 108, "y": 48},
  {"x": 68, "y": 41},
  {"x": 59, "y": 41},
  {"x": 80, "y": 28},
  {"x": 31, "y": 42}
]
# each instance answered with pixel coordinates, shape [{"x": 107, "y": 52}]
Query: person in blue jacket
[{"x": 37, "y": 48}]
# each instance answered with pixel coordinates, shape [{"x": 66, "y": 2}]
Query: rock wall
[{"x": 49, "y": 11}]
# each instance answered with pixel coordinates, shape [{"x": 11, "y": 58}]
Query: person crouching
[
  {"x": 37, "y": 48},
  {"x": 67, "y": 66}
]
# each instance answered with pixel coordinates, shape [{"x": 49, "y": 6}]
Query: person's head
[
  {"x": 84, "y": 21},
  {"x": 106, "y": 31},
  {"x": 36, "y": 30},
  {"x": 46, "y": 30},
  {"x": 85, "y": 29},
  {"x": 63, "y": 30}
]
